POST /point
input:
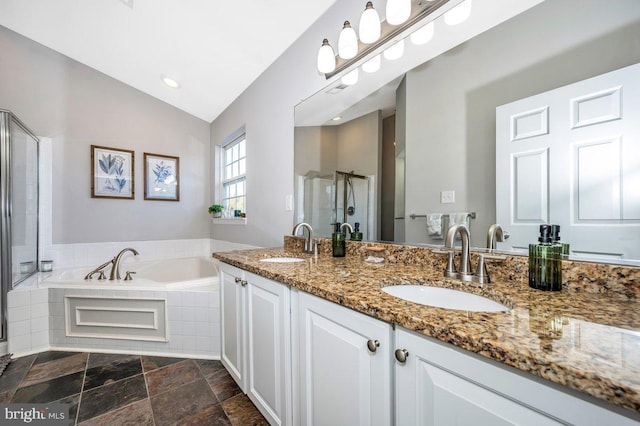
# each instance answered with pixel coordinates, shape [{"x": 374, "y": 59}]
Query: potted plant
[{"x": 216, "y": 210}]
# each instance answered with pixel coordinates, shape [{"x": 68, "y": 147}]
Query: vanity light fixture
[
  {"x": 369, "y": 24},
  {"x": 347, "y": 42},
  {"x": 398, "y": 11},
  {"x": 394, "y": 51},
  {"x": 423, "y": 35},
  {"x": 458, "y": 14},
  {"x": 171, "y": 82},
  {"x": 350, "y": 78},
  {"x": 376, "y": 35},
  {"x": 372, "y": 65},
  {"x": 326, "y": 58}
]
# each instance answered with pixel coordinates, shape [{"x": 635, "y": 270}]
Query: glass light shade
[
  {"x": 395, "y": 51},
  {"x": 350, "y": 78},
  {"x": 398, "y": 11},
  {"x": 326, "y": 58},
  {"x": 423, "y": 35},
  {"x": 458, "y": 14},
  {"x": 372, "y": 65},
  {"x": 347, "y": 42},
  {"x": 369, "y": 25}
]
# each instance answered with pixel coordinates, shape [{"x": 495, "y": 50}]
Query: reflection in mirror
[{"x": 432, "y": 125}]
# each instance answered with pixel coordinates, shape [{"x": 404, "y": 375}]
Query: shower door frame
[
  {"x": 6, "y": 210},
  {"x": 345, "y": 176}
]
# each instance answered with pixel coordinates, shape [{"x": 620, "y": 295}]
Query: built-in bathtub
[{"x": 170, "y": 308}]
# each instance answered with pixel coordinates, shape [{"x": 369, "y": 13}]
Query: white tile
[
  {"x": 18, "y": 314},
  {"x": 189, "y": 343},
  {"x": 19, "y": 343},
  {"x": 188, "y": 328},
  {"x": 175, "y": 328},
  {"x": 39, "y": 310},
  {"x": 56, "y": 309},
  {"x": 188, "y": 299},
  {"x": 202, "y": 345},
  {"x": 203, "y": 329},
  {"x": 174, "y": 299},
  {"x": 40, "y": 324},
  {"x": 57, "y": 323},
  {"x": 40, "y": 295},
  {"x": 202, "y": 314},
  {"x": 17, "y": 299},
  {"x": 188, "y": 314},
  {"x": 175, "y": 342},
  {"x": 19, "y": 328},
  {"x": 40, "y": 339}
]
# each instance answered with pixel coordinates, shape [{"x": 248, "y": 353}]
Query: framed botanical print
[
  {"x": 161, "y": 177},
  {"x": 111, "y": 173}
]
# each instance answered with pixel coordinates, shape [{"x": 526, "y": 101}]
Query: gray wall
[
  {"x": 451, "y": 100},
  {"x": 77, "y": 106}
]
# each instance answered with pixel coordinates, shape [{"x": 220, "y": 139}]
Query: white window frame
[{"x": 220, "y": 181}]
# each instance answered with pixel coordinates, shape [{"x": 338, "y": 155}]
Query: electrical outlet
[
  {"x": 288, "y": 203},
  {"x": 447, "y": 197}
]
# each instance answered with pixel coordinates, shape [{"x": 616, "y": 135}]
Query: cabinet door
[
  {"x": 341, "y": 381},
  {"x": 232, "y": 323},
  {"x": 269, "y": 348}
]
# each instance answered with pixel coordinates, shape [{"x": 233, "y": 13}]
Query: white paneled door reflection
[{"x": 571, "y": 156}]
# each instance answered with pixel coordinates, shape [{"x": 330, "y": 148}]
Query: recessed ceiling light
[
  {"x": 337, "y": 118},
  {"x": 171, "y": 82}
]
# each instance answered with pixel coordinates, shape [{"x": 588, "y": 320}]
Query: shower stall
[
  {"x": 19, "y": 207},
  {"x": 337, "y": 196}
]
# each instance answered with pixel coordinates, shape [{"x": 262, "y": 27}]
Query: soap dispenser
[
  {"x": 356, "y": 235},
  {"x": 338, "y": 242},
  {"x": 555, "y": 234},
  {"x": 545, "y": 264}
]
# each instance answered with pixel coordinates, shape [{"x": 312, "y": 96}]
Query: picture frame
[
  {"x": 161, "y": 177},
  {"x": 112, "y": 173}
]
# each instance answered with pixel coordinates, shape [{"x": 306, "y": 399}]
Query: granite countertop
[{"x": 585, "y": 341}]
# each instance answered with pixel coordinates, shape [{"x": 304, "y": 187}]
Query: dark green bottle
[
  {"x": 338, "y": 242},
  {"x": 545, "y": 262},
  {"x": 356, "y": 235},
  {"x": 555, "y": 233}
]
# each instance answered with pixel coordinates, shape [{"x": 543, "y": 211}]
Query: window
[{"x": 234, "y": 169}]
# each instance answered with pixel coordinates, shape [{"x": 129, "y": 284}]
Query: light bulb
[
  {"x": 394, "y": 52},
  {"x": 369, "y": 25},
  {"x": 423, "y": 35},
  {"x": 372, "y": 65},
  {"x": 171, "y": 82},
  {"x": 350, "y": 78},
  {"x": 398, "y": 11},
  {"x": 458, "y": 14},
  {"x": 347, "y": 42},
  {"x": 326, "y": 58}
]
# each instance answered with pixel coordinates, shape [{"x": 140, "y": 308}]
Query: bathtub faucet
[
  {"x": 99, "y": 269},
  {"x": 115, "y": 269}
]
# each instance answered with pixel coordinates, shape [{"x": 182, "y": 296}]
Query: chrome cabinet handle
[
  {"x": 238, "y": 280},
  {"x": 243, "y": 283},
  {"x": 401, "y": 355},
  {"x": 373, "y": 345}
]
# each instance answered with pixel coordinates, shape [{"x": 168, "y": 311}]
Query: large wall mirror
[{"x": 415, "y": 144}]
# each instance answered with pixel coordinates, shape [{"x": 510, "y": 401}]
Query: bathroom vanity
[{"x": 318, "y": 342}]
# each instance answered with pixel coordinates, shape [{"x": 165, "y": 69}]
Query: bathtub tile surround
[
  {"x": 584, "y": 337},
  {"x": 131, "y": 389}
]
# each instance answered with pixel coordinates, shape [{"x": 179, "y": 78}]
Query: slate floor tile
[
  {"x": 223, "y": 386},
  {"x": 182, "y": 402},
  {"x": 57, "y": 367},
  {"x": 96, "y": 359},
  {"x": 241, "y": 412},
  {"x": 152, "y": 362},
  {"x": 137, "y": 414},
  {"x": 171, "y": 376},
  {"x": 15, "y": 372},
  {"x": 51, "y": 390},
  {"x": 109, "y": 373},
  {"x": 209, "y": 367},
  {"x": 103, "y": 399}
]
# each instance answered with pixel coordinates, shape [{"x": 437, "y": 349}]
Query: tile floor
[{"x": 108, "y": 389}]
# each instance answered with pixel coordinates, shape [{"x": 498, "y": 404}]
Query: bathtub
[
  {"x": 170, "y": 308},
  {"x": 192, "y": 274}
]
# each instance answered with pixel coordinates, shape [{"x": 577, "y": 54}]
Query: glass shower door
[{"x": 19, "y": 207}]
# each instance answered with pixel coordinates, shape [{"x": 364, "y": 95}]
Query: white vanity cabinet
[
  {"x": 437, "y": 384},
  {"x": 256, "y": 340},
  {"x": 342, "y": 362}
]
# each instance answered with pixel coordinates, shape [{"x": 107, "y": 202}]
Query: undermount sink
[
  {"x": 282, "y": 260},
  {"x": 444, "y": 298}
]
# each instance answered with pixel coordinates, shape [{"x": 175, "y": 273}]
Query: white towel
[
  {"x": 434, "y": 224},
  {"x": 459, "y": 218}
]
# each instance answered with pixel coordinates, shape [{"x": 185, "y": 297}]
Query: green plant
[{"x": 215, "y": 208}]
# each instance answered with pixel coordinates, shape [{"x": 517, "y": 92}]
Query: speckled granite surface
[{"x": 586, "y": 337}]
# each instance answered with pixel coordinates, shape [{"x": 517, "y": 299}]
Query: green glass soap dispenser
[
  {"x": 356, "y": 235},
  {"x": 545, "y": 262},
  {"x": 338, "y": 245}
]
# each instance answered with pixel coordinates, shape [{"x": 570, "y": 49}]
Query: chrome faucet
[
  {"x": 349, "y": 228},
  {"x": 99, "y": 269},
  {"x": 464, "y": 271},
  {"x": 310, "y": 244},
  {"x": 495, "y": 235},
  {"x": 115, "y": 269}
]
